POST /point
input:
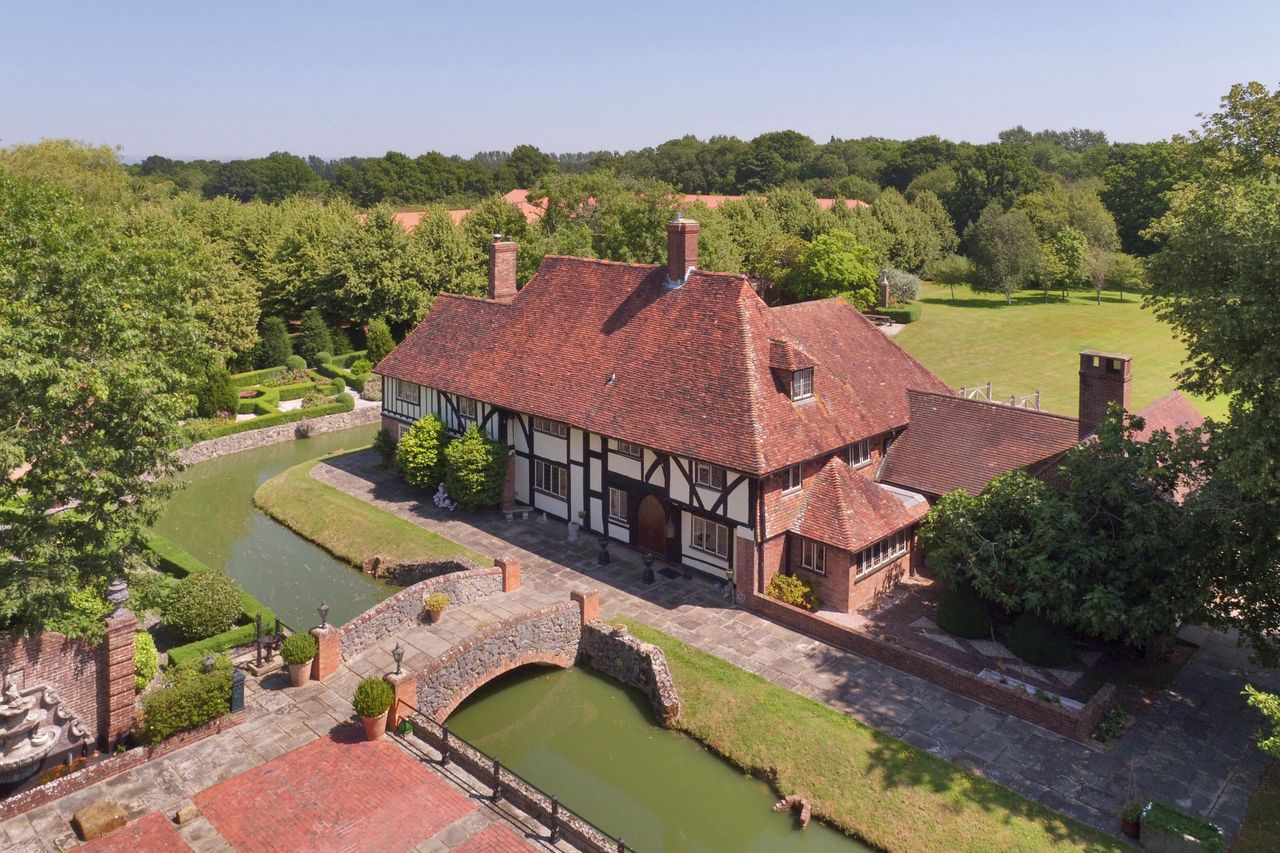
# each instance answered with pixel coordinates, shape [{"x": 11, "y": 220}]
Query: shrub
[
  {"x": 322, "y": 357},
  {"x": 216, "y": 393},
  {"x": 341, "y": 342},
  {"x": 274, "y": 345},
  {"x": 475, "y": 468},
  {"x": 371, "y": 391},
  {"x": 146, "y": 660},
  {"x": 384, "y": 445},
  {"x": 294, "y": 362},
  {"x": 345, "y": 402},
  {"x": 1038, "y": 641},
  {"x": 420, "y": 453},
  {"x": 961, "y": 612},
  {"x": 901, "y": 313},
  {"x": 436, "y": 602},
  {"x": 373, "y": 697},
  {"x": 293, "y": 376},
  {"x": 793, "y": 590},
  {"x": 313, "y": 338},
  {"x": 298, "y": 648},
  {"x": 150, "y": 592},
  {"x": 204, "y": 604},
  {"x": 903, "y": 286},
  {"x": 361, "y": 366},
  {"x": 315, "y": 397},
  {"x": 336, "y": 385},
  {"x": 1179, "y": 823},
  {"x": 191, "y": 697},
  {"x": 380, "y": 342}
]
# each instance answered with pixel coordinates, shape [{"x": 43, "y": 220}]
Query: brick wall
[{"x": 1076, "y": 724}]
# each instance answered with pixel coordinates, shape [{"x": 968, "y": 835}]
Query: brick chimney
[
  {"x": 502, "y": 269},
  {"x": 1105, "y": 378},
  {"x": 682, "y": 248}
]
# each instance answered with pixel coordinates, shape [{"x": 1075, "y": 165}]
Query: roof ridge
[
  {"x": 1000, "y": 406},
  {"x": 753, "y": 372},
  {"x": 600, "y": 261}
]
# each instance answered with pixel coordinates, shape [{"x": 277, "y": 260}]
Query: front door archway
[{"x": 651, "y": 526}]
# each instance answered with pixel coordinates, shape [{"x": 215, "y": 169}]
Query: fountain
[{"x": 35, "y": 724}]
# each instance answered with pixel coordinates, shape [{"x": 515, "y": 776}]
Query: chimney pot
[
  {"x": 1105, "y": 378},
  {"x": 682, "y": 248},
  {"x": 502, "y": 269}
]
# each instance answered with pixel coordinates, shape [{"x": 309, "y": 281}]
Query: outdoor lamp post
[
  {"x": 398, "y": 654},
  {"x": 323, "y": 610}
]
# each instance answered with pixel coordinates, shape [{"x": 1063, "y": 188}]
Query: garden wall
[
  {"x": 1076, "y": 724},
  {"x": 96, "y": 681},
  {"x": 213, "y": 448},
  {"x": 634, "y": 662}
]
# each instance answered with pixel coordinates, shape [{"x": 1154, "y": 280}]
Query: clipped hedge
[
  {"x": 234, "y": 428},
  {"x": 908, "y": 313},
  {"x": 1040, "y": 642},
  {"x": 191, "y": 697},
  {"x": 333, "y": 371},
  {"x": 256, "y": 377},
  {"x": 961, "y": 612},
  {"x": 205, "y": 604},
  {"x": 193, "y": 653}
]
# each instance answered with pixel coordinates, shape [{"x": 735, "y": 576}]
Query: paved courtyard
[{"x": 1194, "y": 748}]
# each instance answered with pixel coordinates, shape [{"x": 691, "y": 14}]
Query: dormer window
[
  {"x": 793, "y": 479},
  {"x": 802, "y": 384},
  {"x": 858, "y": 454}
]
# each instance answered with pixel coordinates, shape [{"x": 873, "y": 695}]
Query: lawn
[
  {"x": 1262, "y": 824},
  {"x": 879, "y": 789},
  {"x": 347, "y": 527},
  {"x": 1033, "y": 344}
]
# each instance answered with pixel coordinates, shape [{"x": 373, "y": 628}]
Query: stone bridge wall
[
  {"x": 549, "y": 636},
  {"x": 634, "y": 662},
  {"x": 383, "y": 619},
  {"x": 203, "y": 451}
]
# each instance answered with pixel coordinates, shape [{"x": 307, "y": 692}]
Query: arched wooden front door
[{"x": 651, "y": 526}]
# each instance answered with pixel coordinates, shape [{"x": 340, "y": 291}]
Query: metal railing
[{"x": 561, "y": 822}]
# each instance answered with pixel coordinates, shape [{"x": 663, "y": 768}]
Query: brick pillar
[
  {"x": 588, "y": 604},
  {"x": 121, "y": 705},
  {"x": 510, "y": 573},
  {"x": 328, "y": 652},
  {"x": 405, "y": 687},
  {"x": 744, "y": 571},
  {"x": 509, "y": 483}
]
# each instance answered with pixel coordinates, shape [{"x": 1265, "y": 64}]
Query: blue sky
[{"x": 234, "y": 78}]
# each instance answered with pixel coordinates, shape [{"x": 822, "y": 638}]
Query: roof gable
[{"x": 847, "y": 510}]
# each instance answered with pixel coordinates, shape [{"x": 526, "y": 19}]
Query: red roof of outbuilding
[
  {"x": 1171, "y": 411},
  {"x": 690, "y": 364},
  {"x": 847, "y": 510},
  {"x": 956, "y": 443}
]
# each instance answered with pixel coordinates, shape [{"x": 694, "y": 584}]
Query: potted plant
[
  {"x": 433, "y": 605},
  {"x": 298, "y": 651},
  {"x": 1130, "y": 814},
  {"x": 373, "y": 697}
]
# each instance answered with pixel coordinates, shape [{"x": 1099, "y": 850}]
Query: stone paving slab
[{"x": 1193, "y": 749}]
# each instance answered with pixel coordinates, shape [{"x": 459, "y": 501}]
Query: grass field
[
  {"x": 879, "y": 789},
  {"x": 349, "y": 528},
  {"x": 1033, "y": 344},
  {"x": 1262, "y": 824}
]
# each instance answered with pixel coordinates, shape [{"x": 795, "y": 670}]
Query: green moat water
[
  {"x": 595, "y": 744},
  {"x": 214, "y": 518},
  {"x": 574, "y": 733}
]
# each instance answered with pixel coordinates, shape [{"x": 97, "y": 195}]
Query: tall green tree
[
  {"x": 313, "y": 337},
  {"x": 834, "y": 264},
  {"x": 274, "y": 345},
  {"x": 1004, "y": 250},
  {"x": 379, "y": 340}
]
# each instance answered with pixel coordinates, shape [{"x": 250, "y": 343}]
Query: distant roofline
[{"x": 1000, "y": 406}]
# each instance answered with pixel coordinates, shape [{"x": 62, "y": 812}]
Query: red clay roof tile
[{"x": 845, "y": 509}]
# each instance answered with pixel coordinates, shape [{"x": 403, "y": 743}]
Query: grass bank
[
  {"x": 1034, "y": 344},
  {"x": 347, "y": 527},
  {"x": 868, "y": 784},
  {"x": 1262, "y": 824}
]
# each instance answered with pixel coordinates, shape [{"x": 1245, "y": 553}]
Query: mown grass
[
  {"x": 348, "y": 528},
  {"x": 1262, "y": 824},
  {"x": 868, "y": 784},
  {"x": 1034, "y": 344}
]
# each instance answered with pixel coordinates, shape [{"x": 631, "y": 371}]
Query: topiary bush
[
  {"x": 298, "y": 648},
  {"x": 336, "y": 385},
  {"x": 146, "y": 660},
  {"x": 313, "y": 338},
  {"x": 793, "y": 590},
  {"x": 420, "y": 453},
  {"x": 380, "y": 342},
  {"x": 361, "y": 367},
  {"x": 475, "y": 468},
  {"x": 216, "y": 394},
  {"x": 274, "y": 345},
  {"x": 373, "y": 697},
  {"x": 204, "y": 604},
  {"x": 190, "y": 697},
  {"x": 295, "y": 362},
  {"x": 1038, "y": 641},
  {"x": 961, "y": 612}
]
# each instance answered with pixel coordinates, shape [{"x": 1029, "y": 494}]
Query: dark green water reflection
[
  {"x": 214, "y": 518},
  {"x": 594, "y": 743}
]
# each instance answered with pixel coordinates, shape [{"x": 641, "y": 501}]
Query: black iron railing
[{"x": 561, "y": 822}]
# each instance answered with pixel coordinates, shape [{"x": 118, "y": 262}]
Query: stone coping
[{"x": 213, "y": 448}]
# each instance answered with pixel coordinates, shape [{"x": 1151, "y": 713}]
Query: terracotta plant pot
[
  {"x": 299, "y": 673},
  {"x": 433, "y": 616},
  {"x": 375, "y": 727},
  {"x": 1129, "y": 827}
]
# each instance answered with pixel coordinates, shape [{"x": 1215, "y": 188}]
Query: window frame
[
  {"x": 882, "y": 552},
  {"x": 619, "y": 444},
  {"x": 865, "y": 447},
  {"x": 700, "y": 527},
  {"x": 802, "y": 384},
  {"x": 793, "y": 478},
  {"x": 712, "y": 472},
  {"x": 465, "y": 405},
  {"x": 400, "y": 398},
  {"x": 547, "y": 426},
  {"x": 545, "y": 469},
  {"x": 813, "y": 556},
  {"x": 623, "y": 520}
]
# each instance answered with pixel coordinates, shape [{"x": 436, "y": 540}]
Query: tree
[
  {"x": 1064, "y": 261},
  {"x": 1099, "y": 262},
  {"x": 420, "y": 453},
  {"x": 903, "y": 286},
  {"x": 1003, "y": 248},
  {"x": 1134, "y": 188},
  {"x": 988, "y": 174},
  {"x": 524, "y": 167},
  {"x": 274, "y": 345},
  {"x": 1267, "y": 704},
  {"x": 475, "y": 469},
  {"x": 834, "y": 264},
  {"x": 951, "y": 270},
  {"x": 379, "y": 340},
  {"x": 216, "y": 395},
  {"x": 314, "y": 337},
  {"x": 1127, "y": 272},
  {"x": 89, "y": 409}
]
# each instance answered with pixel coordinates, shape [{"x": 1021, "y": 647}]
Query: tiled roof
[
  {"x": 786, "y": 356},
  {"x": 956, "y": 443},
  {"x": 691, "y": 364},
  {"x": 845, "y": 509},
  {"x": 1171, "y": 411}
]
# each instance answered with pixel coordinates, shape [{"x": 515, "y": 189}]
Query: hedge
[
  {"x": 190, "y": 698},
  {"x": 908, "y": 313},
  {"x": 348, "y": 358},
  {"x": 276, "y": 419},
  {"x": 241, "y": 635},
  {"x": 332, "y": 371},
  {"x": 256, "y": 377}
]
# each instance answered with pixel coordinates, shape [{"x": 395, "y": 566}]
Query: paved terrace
[{"x": 1193, "y": 748}]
